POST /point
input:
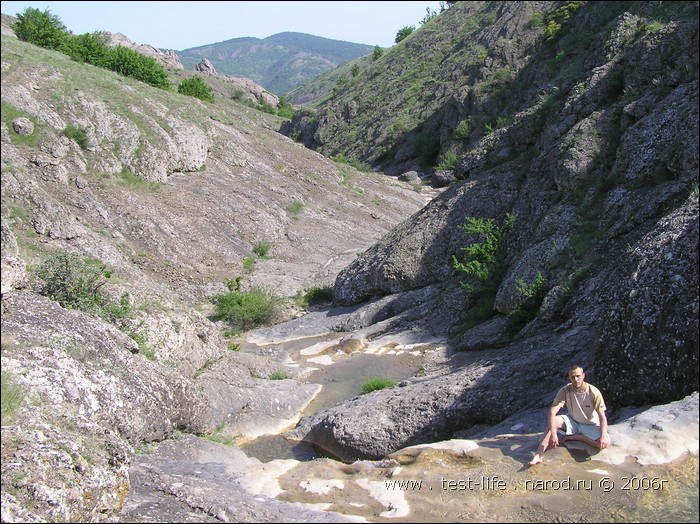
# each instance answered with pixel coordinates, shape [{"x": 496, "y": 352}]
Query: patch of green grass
[
  {"x": 9, "y": 113},
  {"x": 449, "y": 161},
  {"x": 278, "y": 375},
  {"x": 220, "y": 435},
  {"x": 144, "y": 349},
  {"x": 248, "y": 264},
  {"x": 129, "y": 179},
  {"x": 375, "y": 384},
  {"x": 147, "y": 448},
  {"x": 12, "y": 398},
  {"x": 314, "y": 296},
  {"x": 209, "y": 363},
  {"x": 294, "y": 209},
  {"x": 262, "y": 249}
]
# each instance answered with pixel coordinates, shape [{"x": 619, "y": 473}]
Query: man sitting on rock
[{"x": 585, "y": 421}]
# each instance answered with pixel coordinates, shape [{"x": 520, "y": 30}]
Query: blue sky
[{"x": 181, "y": 25}]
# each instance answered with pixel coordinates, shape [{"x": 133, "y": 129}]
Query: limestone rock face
[
  {"x": 171, "y": 201},
  {"x": 586, "y": 141},
  {"x": 620, "y": 260},
  {"x": 167, "y": 58},
  {"x": 205, "y": 67},
  {"x": 22, "y": 126}
]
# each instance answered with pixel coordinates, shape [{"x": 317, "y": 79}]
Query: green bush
[
  {"x": 237, "y": 95},
  {"x": 557, "y": 19},
  {"x": 262, "y": 249},
  {"x": 47, "y": 30},
  {"x": 463, "y": 130},
  {"x": 245, "y": 310},
  {"x": 284, "y": 108},
  {"x": 78, "y": 134},
  {"x": 40, "y": 28},
  {"x": 482, "y": 258},
  {"x": 195, "y": 86},
  {"x": 293, "y": 209},
  {"x": 374, "y": 384},
  {"x": 75, "y": 281},
  {"x": 71, "y": 280},
  {"x": 89, "y": 48},
  {"x": 484, "y": 264},
  {"x": 129, "y": 63},
  {"x": 427, "y": 148},
  {"x": 266, "y": 108},
  {"x": 402, "y": 33},
  {"x": 529, "y": 306},
  {"x": 449, "y": 161},
  {"x": 249, "y": 264},
  {"x": 377, "y": 53}
]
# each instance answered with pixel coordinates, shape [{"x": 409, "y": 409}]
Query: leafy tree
[
  {"x": 378, "y": 52},
  {"x": 195, "y": 86},
  {"x": 89, "y": 48},
  {"x": 404, "y": 32},
  {"x": 40, "y": 28}
]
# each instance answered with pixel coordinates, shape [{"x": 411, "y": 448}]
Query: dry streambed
[{"x": 648, "y": 475}]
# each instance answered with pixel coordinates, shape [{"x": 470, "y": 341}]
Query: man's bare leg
[
  {"x": 541, "y": 449},
  {"x": 584, "y": 439}
]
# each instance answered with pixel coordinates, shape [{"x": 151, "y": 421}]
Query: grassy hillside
[{"x": 463, "y": 75}]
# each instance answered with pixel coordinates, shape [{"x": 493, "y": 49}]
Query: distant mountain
[{"x": 280, "y": 62}]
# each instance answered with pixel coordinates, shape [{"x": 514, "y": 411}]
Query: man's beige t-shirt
[{"x": 583, "y": 408}]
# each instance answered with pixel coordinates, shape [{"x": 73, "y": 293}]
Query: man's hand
[
  {"x": 604, "y": 441},
  {"x": 554, "y": 439}
]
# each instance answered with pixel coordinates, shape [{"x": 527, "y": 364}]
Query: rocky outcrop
[
  {"x": 183, "y": 476},
  {"x": 205, "y": 67},
  {"x": 649, "y": 337},
  {"x": 604, "y": 195},
  {"x": 598, "y": 165},
  {"x": 171, "y": 202},
  {"x": 253, "y": 91},
  {"x": 167, "y": 58}
]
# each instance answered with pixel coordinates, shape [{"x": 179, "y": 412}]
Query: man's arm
[
  {"x": 552, "y": 419},
  {"x": 604, "y": 437}
]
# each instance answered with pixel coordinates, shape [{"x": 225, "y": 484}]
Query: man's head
[{"x": 576, "y": 375}]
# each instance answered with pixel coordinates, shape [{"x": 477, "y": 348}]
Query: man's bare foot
[{"x": 536, "y": 459}]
